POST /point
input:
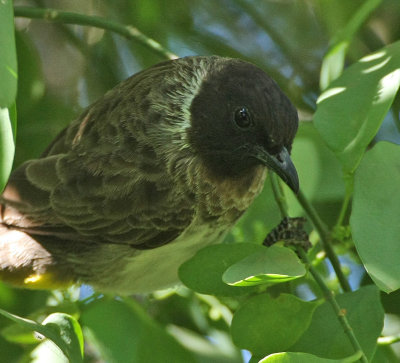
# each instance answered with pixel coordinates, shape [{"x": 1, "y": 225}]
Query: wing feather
[{"x": 102, "y": 179}]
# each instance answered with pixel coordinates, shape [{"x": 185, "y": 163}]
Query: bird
[{"x": 162, "y": 165}]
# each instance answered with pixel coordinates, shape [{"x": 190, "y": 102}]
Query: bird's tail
[{"x": 25, "y": 262}]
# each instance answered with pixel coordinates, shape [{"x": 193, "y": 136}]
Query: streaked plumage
[{"x": 150, "y": 173}]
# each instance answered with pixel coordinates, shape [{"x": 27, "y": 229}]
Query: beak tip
[
  {"x": 288, "y": 172},
  {"x": 295, "y": 187},
  {"x": 292, "y": 181}
]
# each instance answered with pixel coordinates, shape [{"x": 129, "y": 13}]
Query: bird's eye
[{"x": 242, "y": 118}]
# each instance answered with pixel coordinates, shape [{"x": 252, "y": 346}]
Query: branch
[
  {"x": 319, "y": 226},
  {"x": 349, "y": 180},
  {"x": 329, "y": 296},
  {"x": 340, "y": 313},
  {"x": 126, "y": 31},
  {"x": 279, "y": 196},
  {"x": 325, "y": 240}
]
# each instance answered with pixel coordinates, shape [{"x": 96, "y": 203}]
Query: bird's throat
[{"x": 228, "y": 197}]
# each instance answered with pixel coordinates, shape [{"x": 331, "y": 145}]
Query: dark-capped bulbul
[{"x": 162, "y": 165}]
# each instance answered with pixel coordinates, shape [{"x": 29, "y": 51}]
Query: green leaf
[
  {"x": 203, "y": 272},
  {"x": 60, "y": 328},
  {"x": 70, "y": 332},
  {"x": 7, "y": 145},
  {"x": 289, "y": 357},
  {"x": 265, "y": 325},
  {"x": 271, "y": 265},
  {"x": 375, "y": 214},
  {"x": 12, "y": 112},
  {"x": 16, "y": 333},
  {"x": 332, "y": 65},
  {"x": 124, "y": 333},
  {"x": 8, "y": 59},
  {"x": 325, "y": 336},
  {"x": 46, "y": 351},
  {"x": 351, "y": 110},
  {"x": 385, "y": 354}
]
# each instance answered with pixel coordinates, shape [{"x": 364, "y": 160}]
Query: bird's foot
[{"x": 291, "y": 231}]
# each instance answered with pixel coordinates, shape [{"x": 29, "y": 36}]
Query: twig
[
  {"x": 320, "y": 227},
  {"x": 349, "y": 180},
  {"x": 127, "y": 31},
  {"x": 279, "y": 197},
  {"x": 340, "y": 313},
  {"x": 325, "y": 240}
]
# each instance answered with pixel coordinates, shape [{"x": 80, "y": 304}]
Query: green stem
[
  {"x": 279, "y": 196},
  {"x": 349, "y": 180},
  {"x": 352, "y": 358},
  {"x": 127, "y": 31},
  {"x": 325, "y": 240},
  {"x": 340, "y": 313}
]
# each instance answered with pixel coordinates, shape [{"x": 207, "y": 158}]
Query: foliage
[
  {"x": 339, "y": 62},
  {"x": 8, "y": 91}
]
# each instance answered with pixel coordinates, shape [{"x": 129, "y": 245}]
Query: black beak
[{"x": 282, "y": 165}]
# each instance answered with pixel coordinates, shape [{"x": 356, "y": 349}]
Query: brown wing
[
  {"x": 102, "y": 180},
  {"x": 146, "y": 215}
]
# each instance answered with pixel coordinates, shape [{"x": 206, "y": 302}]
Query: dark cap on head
[{"x": 240, "y": 118}]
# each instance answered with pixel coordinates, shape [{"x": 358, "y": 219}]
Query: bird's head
[{"x": 240, "y": 119}]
